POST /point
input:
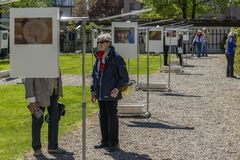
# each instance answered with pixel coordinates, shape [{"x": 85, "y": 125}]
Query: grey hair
[
  {"x": 232, "y": 34},
  {"x": 104, "y": 37}
]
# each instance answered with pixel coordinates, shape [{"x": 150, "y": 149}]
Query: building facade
[{"x": 66, "y": 7}]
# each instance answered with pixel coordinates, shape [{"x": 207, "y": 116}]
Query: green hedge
[{"x": 237, "y": 55}]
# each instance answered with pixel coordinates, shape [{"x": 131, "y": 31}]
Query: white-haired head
[
  {"x": 104, "y": 37},
  {"x": 232, "y": 34},
  {"x": 205, "y": 30}
]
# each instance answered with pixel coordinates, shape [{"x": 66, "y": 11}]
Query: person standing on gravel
[
  {"x": 42, "y": 93},
  {"x": 230, "y": 52},
  {"x": 198, "y": 41},
  {"x": 180, "y": 48},
  {"x": 205, "y": 46},
  {"x": 110, "y": 78}
]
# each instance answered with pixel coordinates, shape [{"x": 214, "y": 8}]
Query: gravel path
[{"x": 199, "y": 121}]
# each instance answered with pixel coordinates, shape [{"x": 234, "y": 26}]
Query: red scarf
[{"x": 100, "y": 57}]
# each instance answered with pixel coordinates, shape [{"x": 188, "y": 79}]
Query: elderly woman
[
  {"x": 109, "y": 78},
  {"x": 205, "y": 46},
  {"x": 198, "y": 42}
]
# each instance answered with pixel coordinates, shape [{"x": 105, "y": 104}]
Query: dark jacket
[
  {"x": 231, "y": 45},
  {"x": 104, "y": 82},
  {"x": 180, "y": 42}
]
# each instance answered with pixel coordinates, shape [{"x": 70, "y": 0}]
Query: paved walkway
[{"x": 199, "y": 121}]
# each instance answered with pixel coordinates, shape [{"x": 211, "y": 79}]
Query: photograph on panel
[{"x": 33, "y": 31}]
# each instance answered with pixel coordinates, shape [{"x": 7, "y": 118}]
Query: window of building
[{"x": 132, "y": 6}]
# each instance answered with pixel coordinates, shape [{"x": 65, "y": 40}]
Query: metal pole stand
[{"x": 148, "y": 114}]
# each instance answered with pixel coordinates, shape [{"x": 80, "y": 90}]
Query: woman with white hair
[
  {"x": 110, "y": 78},
  {"x": 230, "y": 52},
  {"x": 205, "y": 38}
]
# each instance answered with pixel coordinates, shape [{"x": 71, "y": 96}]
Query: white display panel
[
  {"x": 171, "y": 37},
  {"x": 34, "y": 42},
  {"x": 155, "y": 40},
  {"x": 124, "y": 38},
  {"x": 185, "y": 34}
]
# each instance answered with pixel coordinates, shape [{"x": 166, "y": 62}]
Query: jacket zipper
[{"x": 100, "y": 92}]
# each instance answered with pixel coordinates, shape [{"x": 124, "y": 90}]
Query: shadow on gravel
[
  {"x": 189, "y": 74},
  {"x": 178, "y": 95},
  {"x": 41, "y": 157},
  {"x": 67, "y": 156},
  {"x": 158, "y": 125},
  {"x": 122, "y": 155},
  {"x": 188, "y": 65}
]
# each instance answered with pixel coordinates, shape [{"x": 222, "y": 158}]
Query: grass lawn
[
  {"x": 4, "y": 65},
  {"x": 72, "y": 64},
  {"x": 15, "y": 119}
]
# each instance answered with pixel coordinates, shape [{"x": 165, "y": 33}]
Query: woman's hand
[{"x": 114, "y": 93}]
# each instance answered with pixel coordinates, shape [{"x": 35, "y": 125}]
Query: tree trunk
[
  {"x": 194, "y": 6},
  {"x": 184, "y": 9}
]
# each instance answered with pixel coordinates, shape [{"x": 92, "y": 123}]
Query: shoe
[
  {"x": 101, "y": 145},
  {"x": 233, "y": 77},
  {"x": 114, "y": 148},
  {"x": 37, "y": 153},
  {"x": 57, "y": 151}
]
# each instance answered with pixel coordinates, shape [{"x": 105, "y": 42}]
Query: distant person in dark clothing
[
  {"x": 180, "y": 48},
  {"x": 230, "y": 53},
  {"x": 72, "y": 37},
  {"x": 62, "y": 40},
  {"x": 165, "y": 50}
]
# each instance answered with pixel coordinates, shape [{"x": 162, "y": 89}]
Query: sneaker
[
  {"x": 233, "y": 76},
  {"x": 101, "y": 145},
  {"x": 114, "y": 148},
  {"x": 37, "y": 153},
  {"x": 57, "y": 151}
]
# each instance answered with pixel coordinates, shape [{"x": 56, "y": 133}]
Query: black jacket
[{"x": 115, "y": 75}]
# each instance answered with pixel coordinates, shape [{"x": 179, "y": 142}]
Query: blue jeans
[
  {"x": 230, "y": 65},
  {"x": 199, "y": 49},
  {"x": 205, "y": 49}
]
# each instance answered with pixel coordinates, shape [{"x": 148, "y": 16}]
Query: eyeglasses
[{"x": 102, "y": 42}]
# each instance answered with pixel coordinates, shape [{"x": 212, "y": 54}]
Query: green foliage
[
  {"x": 26, "y": 4},
  {"x": 192, "y": 8},
  {"x": 237, "y": 53},
  {"x": 93, "y": 25},
  {"x": 72, "y": 25}
]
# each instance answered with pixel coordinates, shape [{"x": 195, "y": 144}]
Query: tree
[
  {"x": 81, "y": 8},
  {"x": 182, "y": 9},
  {"x": 105, "y": 8}
]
